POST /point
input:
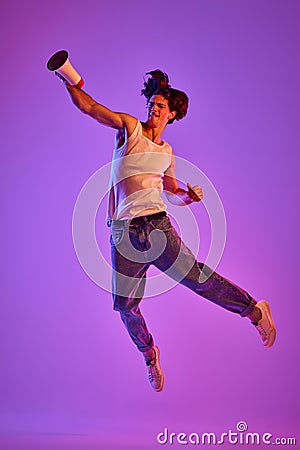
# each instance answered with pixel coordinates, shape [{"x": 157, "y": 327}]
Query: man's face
[{"x": 158, "y": 111}]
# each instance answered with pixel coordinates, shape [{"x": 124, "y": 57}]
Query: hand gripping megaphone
[{"x": 60, "y": 63}]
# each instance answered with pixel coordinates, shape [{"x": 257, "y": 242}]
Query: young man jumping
[{"x": 141, "y": 231}]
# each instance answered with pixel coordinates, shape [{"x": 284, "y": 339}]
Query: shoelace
[
  {"x": 261, "y": 330},
  {"x": 153, "y": 373}
]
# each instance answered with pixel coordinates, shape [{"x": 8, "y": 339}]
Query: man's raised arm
[{"x": 101, "y": 113}]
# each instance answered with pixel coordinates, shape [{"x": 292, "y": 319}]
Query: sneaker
[
  {"x": 155, "y": 373},
  {"x": 266, "y": 326}
]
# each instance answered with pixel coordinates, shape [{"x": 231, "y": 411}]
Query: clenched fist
[{"x": 195, "y": 193}]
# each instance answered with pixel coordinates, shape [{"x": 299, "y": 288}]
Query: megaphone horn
[{"x": 60, "y": 63}]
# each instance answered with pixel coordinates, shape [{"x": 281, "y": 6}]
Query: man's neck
[{"x": 154, "y": 134}]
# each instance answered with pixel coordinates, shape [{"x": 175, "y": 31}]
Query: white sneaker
[
  {"x": 155, "y": 373},
  {"x": 266, "y": 326}
]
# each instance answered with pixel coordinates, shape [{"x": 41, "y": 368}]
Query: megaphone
[{"x": 59, "y": 62}]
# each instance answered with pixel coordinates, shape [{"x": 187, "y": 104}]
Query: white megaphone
[{"x": 60, "y": 63}]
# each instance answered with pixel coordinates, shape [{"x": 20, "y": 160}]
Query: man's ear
[{"x": 172, "y": 115}]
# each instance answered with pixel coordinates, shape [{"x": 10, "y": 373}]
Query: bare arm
[
  {"x": 175, "y": 194},
  {"x": 99, "y": 112}
]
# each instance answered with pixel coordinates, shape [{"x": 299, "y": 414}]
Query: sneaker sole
[
  {"x": 157, "y": 351},
  {"x": 266, "y": 308}
]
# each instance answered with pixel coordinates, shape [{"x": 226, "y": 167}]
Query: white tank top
[{"x": 137, "y": 172}]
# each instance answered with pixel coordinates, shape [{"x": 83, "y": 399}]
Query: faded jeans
[{"x": 135, "y": 246}]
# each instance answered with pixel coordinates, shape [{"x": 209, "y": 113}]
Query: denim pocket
[
  {"x": 163, "y": 224},
  {"x": 116, "y": 234}
]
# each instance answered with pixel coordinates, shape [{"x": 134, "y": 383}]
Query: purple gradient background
[{"x": 70, "y": 376}]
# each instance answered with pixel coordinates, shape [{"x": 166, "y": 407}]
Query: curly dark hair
[{"x": 158, "y": 83}]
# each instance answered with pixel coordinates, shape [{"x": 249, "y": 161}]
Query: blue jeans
[{"x": 134, "y": 247}]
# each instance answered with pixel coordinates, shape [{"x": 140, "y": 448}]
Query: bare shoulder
[{"x": 129, "y": 122}]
